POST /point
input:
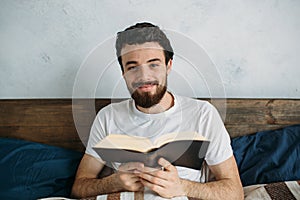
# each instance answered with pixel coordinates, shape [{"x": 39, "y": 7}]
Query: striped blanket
[
  {"x": 146, "y": 195},
  {"x": 289, "y": 190}
]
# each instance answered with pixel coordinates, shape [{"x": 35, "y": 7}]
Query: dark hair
[{"x": 141, "y": 33}]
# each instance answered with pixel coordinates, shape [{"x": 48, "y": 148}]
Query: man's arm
[
  {"x": 87, "y": 184},
  {"x": 168, "y": 184},
  {"x": 226, "y": 186}
]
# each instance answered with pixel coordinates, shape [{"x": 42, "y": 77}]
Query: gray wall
[{"x": 254, "y": 45}]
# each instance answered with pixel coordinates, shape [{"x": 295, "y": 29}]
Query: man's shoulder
[
  {"x": 195, "y": 105},
  {"x": 192, "y": 101},
  {"x": 116, "y": 105}
]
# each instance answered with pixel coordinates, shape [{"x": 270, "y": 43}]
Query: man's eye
[
  {"x": 153, "y": 65},
  {"x": 131, "y": 68}
]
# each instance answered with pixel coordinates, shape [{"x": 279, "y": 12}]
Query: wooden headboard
[{"x": 50, "y": 121}]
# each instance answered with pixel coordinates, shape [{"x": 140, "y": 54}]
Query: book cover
[{"x": 181, "y": 149}]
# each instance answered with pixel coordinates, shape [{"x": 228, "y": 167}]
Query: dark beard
[{"x": 147, "y": 100}]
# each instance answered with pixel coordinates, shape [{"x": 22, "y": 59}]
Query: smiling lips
[{"x": 145, "y": 86}]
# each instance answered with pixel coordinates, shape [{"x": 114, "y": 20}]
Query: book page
[
  {"x": 118, "y": 141},
  {"x": 177, "y": 137}
]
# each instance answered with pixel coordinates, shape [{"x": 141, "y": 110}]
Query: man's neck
[{"x": 165, "y": 104}]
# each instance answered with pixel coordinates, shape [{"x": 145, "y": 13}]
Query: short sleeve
[
  {"x": 96, "y": 134},
  {"x": 214, "y": 130}
]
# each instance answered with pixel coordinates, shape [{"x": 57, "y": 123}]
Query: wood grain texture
[
  {"x": 52, "y": 121},
  {"x": 246, "y": 116}
]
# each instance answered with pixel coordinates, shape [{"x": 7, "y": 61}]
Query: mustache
[{"x": 142, "y": 83}]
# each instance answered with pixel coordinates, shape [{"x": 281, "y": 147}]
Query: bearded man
[{"x": 145, "y": 56}]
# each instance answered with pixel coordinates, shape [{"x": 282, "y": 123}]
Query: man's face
[{"x": 145, "y": 72}]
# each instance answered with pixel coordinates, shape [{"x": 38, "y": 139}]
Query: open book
[{"x": 186, "y": 149}]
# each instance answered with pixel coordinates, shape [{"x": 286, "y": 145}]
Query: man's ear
[{"x": 169, "y": 66}]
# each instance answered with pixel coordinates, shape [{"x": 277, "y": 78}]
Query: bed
[{"x": 40, "y": 148}]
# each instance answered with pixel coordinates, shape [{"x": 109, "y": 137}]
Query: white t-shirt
[{"x": 187, "y": 114}]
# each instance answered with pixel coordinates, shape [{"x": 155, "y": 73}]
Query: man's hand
[
  {"x": 128, "y": 176},
  {"x": 164, "y": 182}
]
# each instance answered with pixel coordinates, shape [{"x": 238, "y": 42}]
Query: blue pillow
[
  {"x": 32, "y": 170},
  {"x": 268, "y": 156}
]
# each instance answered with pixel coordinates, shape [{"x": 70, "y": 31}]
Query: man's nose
[{"x": 144, "y": 72}]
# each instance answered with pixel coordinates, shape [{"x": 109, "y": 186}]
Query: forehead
[{"x": 139, "y": 51}]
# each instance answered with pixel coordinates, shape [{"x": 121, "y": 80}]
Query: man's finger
[
  {"x": 150, "y": 169},
  {"x": 131, "y": 166},
  {"x": 165, "y": 164},
  {"x": 148, "y": 180}
]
